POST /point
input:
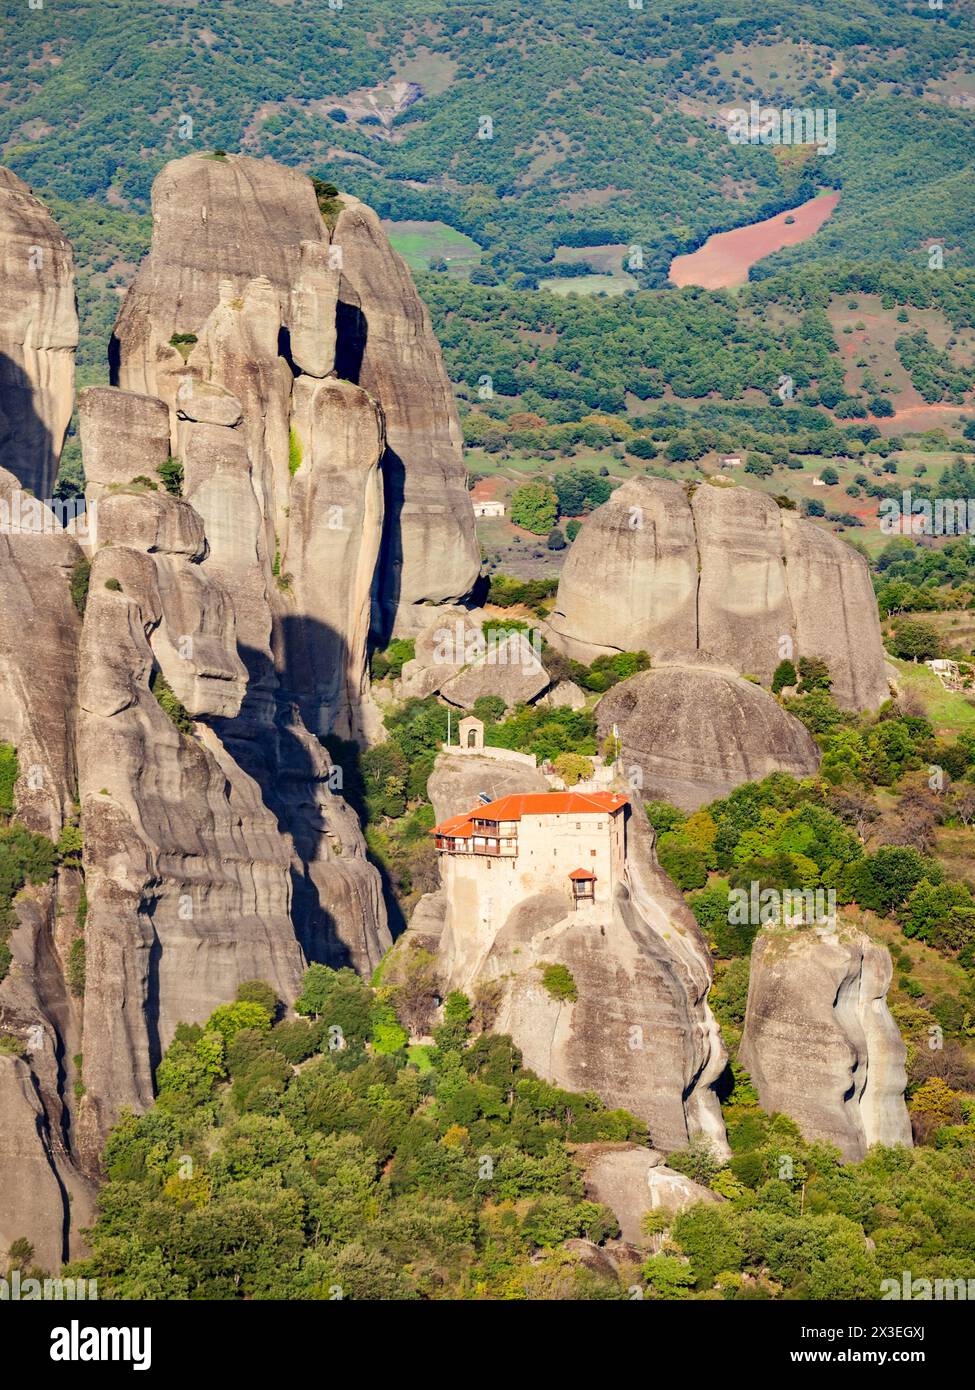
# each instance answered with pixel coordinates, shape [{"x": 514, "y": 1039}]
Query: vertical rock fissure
[{"x": 697, "y": 585}]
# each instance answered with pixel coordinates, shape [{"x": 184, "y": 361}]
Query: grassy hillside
[{"x": 569, "y": 124}]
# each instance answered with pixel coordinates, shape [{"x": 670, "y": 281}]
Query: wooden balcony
[{"x": 467, "y": 846}]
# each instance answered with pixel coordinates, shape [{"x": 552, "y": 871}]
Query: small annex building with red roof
[{"x": 500, "y": 852}]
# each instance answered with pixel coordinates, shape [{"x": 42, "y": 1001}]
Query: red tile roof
[
  {"x": 457, "y": 828},
  {"x": 581, "y": 875},
  {"x": 520, "y": 804}
]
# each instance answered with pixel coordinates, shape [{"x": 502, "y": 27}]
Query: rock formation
[
  {"x": 640, "y": 1032},
  {"x": 694, "y": 733},
  {"x": 510, "y": 669},
  {"x": 632, "y": 1181},
  {"x": 457, "y": 659},
  {"x": 249, "y": 294},
  {"x": 277, "y": 469},
  {"x": 335, "y": 525},
  {"x": 215, "y": 856},
  {"x": 819, "y": 1041},
  {"x": 41, "y": 1187},
  {"x": 38, "y": 337},
  {"x": 39, "y": 631},
  {"x": 225, "y": 630},
  {"x": 565, "y": 695},
  {"x": 37, "y": 676},
  {"x": 188, "y": 879},
  {"x": 386, "y": 344},
  {"x": 725, "y": 573},
  {"x": 458, "y": 780}
]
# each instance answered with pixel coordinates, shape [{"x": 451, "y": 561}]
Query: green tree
[
  {"x": 915, "y": 640},
  {"x": 813, "y": 675},
  {"x": 533, "y": 506},
  {"x": 171, "y": 476},
  {"x": 884, "y": 880},
  {"x": 783, "y": 675},
  {"x": 681, "y": 861}
]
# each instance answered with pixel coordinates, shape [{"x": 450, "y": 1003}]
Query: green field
[
  {"x": 422, "y": 243},
  {"x": 950, "y": 711}
]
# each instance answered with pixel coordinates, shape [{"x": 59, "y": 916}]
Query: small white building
[
  {"x": 499, "y": 853},
  {"x": 731, "y": 461},
  {"x": 489, "y": 508},
  {"x": 947, "y": 671}
]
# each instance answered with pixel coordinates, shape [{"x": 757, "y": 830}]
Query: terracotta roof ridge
[{"x": 518, "y": 804}]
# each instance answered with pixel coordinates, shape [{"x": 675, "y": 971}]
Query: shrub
[
  {"x": 230, "y": 1019},
  {"x": 80, "y": 576},
  {"x": 580, "y": 490},
  {"x": 295, "y": 452},
  {"x": 572, "y": 768},
  {"x": 171, "y": 475},
  {"x": 258, "y": 992},
  {"x": 489, "y": 708},
  {"x": 641, "y": 447},
  {"x": 75, "y": 973},
  {"x": 169, "y": 704},
  {"x": 884, "y": 880},
  {"x": 329, "y": 203},
  {"x": 559, "y": 982},
  {"x": 114, "y": 585},
  {"x": 183, "y": 343},
  {"x": 663, "y": 817},
  {"x": 784, "y": 675},
  {"x": 70, "y": 845},
  {"x": 533, "y": 507},
  {"x": 813, "y": 675},
  {"x": 9, "y": 772},
  {"x": 391, "y": 661}
]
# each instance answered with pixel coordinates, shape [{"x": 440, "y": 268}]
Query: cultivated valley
[{"x": 487, "y": 654}]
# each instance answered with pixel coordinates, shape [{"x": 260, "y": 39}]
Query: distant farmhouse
[
  {"x": 483, "y": 499},
  {"x": 497, "y": 854}
]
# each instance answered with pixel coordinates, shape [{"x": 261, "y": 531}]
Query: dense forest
[
  {"x": 286, "y": 1159},
  {"x": 603, "y": 120},
  {"x": 567, "y": 126}
]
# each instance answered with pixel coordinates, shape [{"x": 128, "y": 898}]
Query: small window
[{"x": 592, "y": 854}]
